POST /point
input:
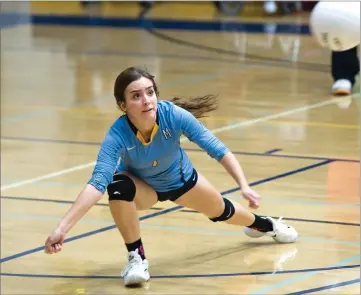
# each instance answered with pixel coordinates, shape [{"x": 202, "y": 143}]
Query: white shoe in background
[{"x": 342, "y": 87}]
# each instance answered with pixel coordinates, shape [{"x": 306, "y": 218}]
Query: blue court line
[
  {"x": 284, "y": 174},
  {"x": 236, "y": 189},
  {"x": 183, "y": 210},
  {"x": 60, "y": 141},
  {"x": 300, "y": 277},
  {"x": 224, "y": 193},
  {"x": 303, "y": 220},
  {"x": 186, "y": 149},
  {"x": 87, "y": 234},
  {"x": 302, "y": 202},
  {"x": 172, "y": 228},
  {"x": 273, "y": 151},
  {"x": 181, "y": 276},
  {"x": 163, "y": 211},
  {"x": 327, "y": 287},
  {"x": 265, "y": 199},
  {"x": 169, "y": 24}
]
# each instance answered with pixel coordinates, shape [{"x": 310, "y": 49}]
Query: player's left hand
[{"x": 252, "y": 197}]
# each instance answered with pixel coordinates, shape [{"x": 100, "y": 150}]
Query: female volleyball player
[{"x": 141, "y": 162}]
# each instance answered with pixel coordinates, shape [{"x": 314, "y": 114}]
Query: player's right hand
[{"x": 54, "y": 242}]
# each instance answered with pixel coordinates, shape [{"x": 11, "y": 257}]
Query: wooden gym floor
[{"x": 298, "y": 145}]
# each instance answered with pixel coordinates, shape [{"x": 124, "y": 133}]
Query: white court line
[{"x": 217, "y": 130}]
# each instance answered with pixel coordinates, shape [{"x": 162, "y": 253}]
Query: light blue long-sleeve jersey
[{"x": 161, "y": 163}]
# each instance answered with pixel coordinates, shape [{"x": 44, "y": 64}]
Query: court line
[
  {"x": 254, "y": 59},
  {"x": 183, "y": 210},
  {"x": 327, "y": 287},
  {"x": 183, "y": 276},
  {"x": 216, "y": 130},
  {"x": 299, "y": 277},
  {"x": 60, "y": 141},
  {"x": 302, "y": 202},
  {"x": 240, "y": 233},
  {"x": 285, "y": 156},
  {"x": 272, "y": 151},
  {"x": 285, "y": 174},
  {"x": 87, "y": 234},
  {"x": 47, "y": 176},
  {"x": 278, "y": 115},
  {"x": 172, "y": 228},
  {"x": 140, "y": 22},
  {"x": 265, "y": 199},
  {"x": 226, "y": 192},
  {"x": 14, "y": 256},
  {"x": 289, "y": 122}
]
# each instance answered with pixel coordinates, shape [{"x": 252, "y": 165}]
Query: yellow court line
[
  {"x": 318, "y": 124},
  {"x": 308, "y": 123}
]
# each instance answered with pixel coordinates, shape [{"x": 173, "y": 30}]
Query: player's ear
[{"x": 122, "y": 107}]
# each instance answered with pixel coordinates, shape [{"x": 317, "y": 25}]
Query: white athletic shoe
[
  {"x": 342, "y": 87},
  {"x": 136, "y": 271},
  {"x": 282, "y": 233}
]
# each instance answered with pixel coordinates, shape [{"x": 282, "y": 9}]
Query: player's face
[{"x": 140, "y": 99}]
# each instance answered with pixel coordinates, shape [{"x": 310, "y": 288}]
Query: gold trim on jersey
[{"x": 141, "y": 138}]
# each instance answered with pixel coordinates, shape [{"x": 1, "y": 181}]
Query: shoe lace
[
  {"x": 281, "y": 223},
  {"x": 132, "y": 257}
]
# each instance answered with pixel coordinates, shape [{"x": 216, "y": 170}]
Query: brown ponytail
[{"x": 198, "y": 106}]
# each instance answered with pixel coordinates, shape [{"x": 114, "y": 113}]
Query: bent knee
[
  {"x": 228, "y": 211},
  {"x": 122, "y": 188}
]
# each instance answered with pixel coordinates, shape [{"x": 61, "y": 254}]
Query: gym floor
[{"x": 298, "y": 145}]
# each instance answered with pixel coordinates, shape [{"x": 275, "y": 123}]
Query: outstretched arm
[
  {"x": 89, "y": 196},
  {"x": 86, "y": 199},
  {"x": 232, "y": 166},
  {"x": 195, "y": 131}
]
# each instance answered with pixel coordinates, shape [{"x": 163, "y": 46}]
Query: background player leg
[{"x": 345, "y": 66}]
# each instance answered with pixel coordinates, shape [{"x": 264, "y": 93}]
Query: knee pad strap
[
  {"x": 227, "y": 213},
  {"x": 122, "y": 188}
]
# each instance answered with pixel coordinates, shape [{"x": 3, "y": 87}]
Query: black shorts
[{"x": 176, "y": 193}]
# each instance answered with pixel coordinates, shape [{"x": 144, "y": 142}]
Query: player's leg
[
  {"x": 127, "y": 194},
  {"x": 345, "y": 66},
  {"x": 204, "y": 198}
]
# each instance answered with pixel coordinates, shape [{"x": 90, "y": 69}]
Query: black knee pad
[
  {"x": 122, "y": 188},
  {"x": 227, "y": 213}
]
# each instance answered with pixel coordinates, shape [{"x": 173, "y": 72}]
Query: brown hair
[{"x": 198, "y": 106}]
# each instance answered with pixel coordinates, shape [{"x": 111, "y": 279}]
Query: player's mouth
[{"x": 147, "y": 111}]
